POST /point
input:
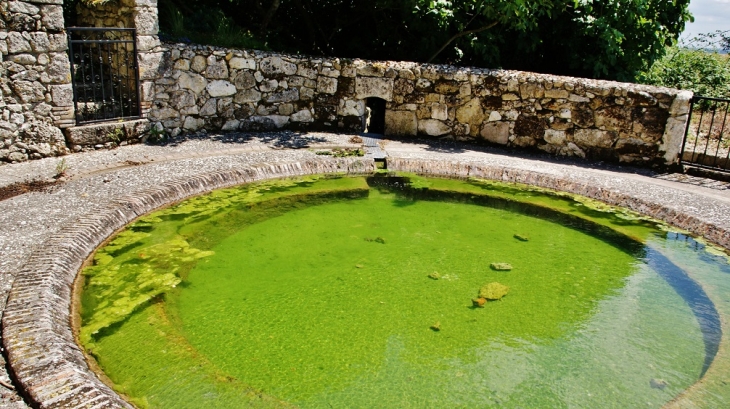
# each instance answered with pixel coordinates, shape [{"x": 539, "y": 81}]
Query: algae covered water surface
[{"x": 358, "y": 292}]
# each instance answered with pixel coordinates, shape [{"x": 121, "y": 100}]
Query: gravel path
[{"x": 94, "y": 178}]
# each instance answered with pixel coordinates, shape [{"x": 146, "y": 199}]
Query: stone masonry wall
[
  {"x": 208, "y": 88},
  {"x": 36, "y": 98}
]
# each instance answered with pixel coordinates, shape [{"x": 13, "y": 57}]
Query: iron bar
[
  {"x": 705, "y": 151},
  {"x": 104, "y": 73}
]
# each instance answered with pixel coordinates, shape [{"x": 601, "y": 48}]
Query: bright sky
[{"x": 710, "y": 16}]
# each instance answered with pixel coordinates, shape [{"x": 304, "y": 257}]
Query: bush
[{"x": 702, "y": 72}]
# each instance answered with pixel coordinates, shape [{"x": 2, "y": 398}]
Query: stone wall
[
  {"x": 36, "y": 98},
  {"x": 208, "y": 88}
]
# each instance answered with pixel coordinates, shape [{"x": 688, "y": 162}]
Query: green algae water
[{"x": 358, "y": 292}]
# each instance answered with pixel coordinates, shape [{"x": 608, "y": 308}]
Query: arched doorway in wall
[{"x": 374, "y": 116}]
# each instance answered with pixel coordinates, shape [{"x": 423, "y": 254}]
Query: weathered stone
[
  {"x": 151, "y": 65},
  {"x": 28, "y": 91},
  {"x": 182, "y": 99},
  {"x": 494, "y": 116},
  {"x": 210, "y": 107},
  {"x": 162, "y": 114},
  {"x": 62, "y": 95},
  {"x": 237, "y": 63},
  {"x": 371, "y": 70},
  {"x": 554, "y": 137},
  {"x": 302, "y": 116},
  {"x": 284, "y": 96},
  {"x": 531, "y": 90},
  {"x": 52, "y": 17},
  {"x": 146, "y": 21},
  {"x": 275, "y": 65},
  {"x": 231, "y": 125},
  {"x": 193, "y": 124},
  {"x": 557, "y": 93},
  {"x": 57, "y": 42},
  {"x": 374, "y": 87},
  {"x": 24, "y": 59},
  {"x": 532, "y": 126},
  {"x": 286, "y": 109},
  {"x": 594, "y": 138},
  {"x": 198, "y": 63},
  {"x": 671, "y": 143},
  {"x": 471, "y": 113},
  {"x": 403, "y": 87},
  {"x": 680, "y": 104},
  {"x": 193, "y": 82},
  {"x": 439, "y": 111},
  {"x": 250, "y": 95},
  {"x": 401, "y": 123},
  {"x": 613, "y": 118},
  {"x": 496, "y": 132},
  {"x": 217, "y": 69},
  {"x": 307, "y": 72},
  {"x": 17, "y": 44},
  {"x": 220, "y": 88},
  {"x": 326, "y": 85},
  {"x": 433, "y": 127},
  {"x": 351, "y": 107},
  {"x": 649, "y": 122},
  {"x": 268, "y": 85},
  {"x": 636, "y": 146},
  {"x": 39, "y": 42},
  {"x": 447, "y": 87},
  {"x": 22, "y": 7}
]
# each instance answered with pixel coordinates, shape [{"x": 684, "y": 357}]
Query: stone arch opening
[{"x": 374, "y": 116}]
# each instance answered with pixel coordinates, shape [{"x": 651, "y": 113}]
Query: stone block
[
  {"x": 52, "y": 17},
  {"x": 275, "y": 65},
  {"x": 288, "y": 95},
  {"x": 62, "y": 95},
  {"x": 595, "y": 138},
  {"x": 106, "y": 132},
  {"x": 326, "y": 85},
  {"x": 401, "y": 123},
  {"x": 471, "y": 113},
  {"x": 231, "y": 125},
  {"x": 147, "y": 42},
  {"x": 302, "y": 116},
  {"x": 193, "y": 124},
  {"x": 220, "y": 88},
  {"x": 680, "y": 105},
  {"x": 433, "y": 127},
  {"x": 249, "y": 95},
  {"x": 557, "y": 93},
  {"x": 146, "y": 22},
  {"x": 350, "y": 107},
  {"x": 554, "y": 137},
  {"x": 613, "y": 118},
  {"x": 496, "y": 132},
  {"x": 238, "y": 63},
  {"x": 439, "y": 111},
  {"x": 39, "y": 42},
  {"x": 198, "y": 63},
  {"x": 671, "y": 143},
  {"x": 194, "y": 82},
  {"x": 244, "y": 80},
  {"x": 210, "y": 107},
  {"x": 150, "y": 65},
  {"x": 17, "y": 43},
  {"x": 22, "y": 7},
  {"x": 217, "y": 68},
  {"x": 58, "y": 42},
  {"x": 366, "y": 87}
]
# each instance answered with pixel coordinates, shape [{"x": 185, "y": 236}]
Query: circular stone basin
[{"x": 362, "y": 292}]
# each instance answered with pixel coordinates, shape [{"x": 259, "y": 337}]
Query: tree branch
[{"x": 463, "y": 33}]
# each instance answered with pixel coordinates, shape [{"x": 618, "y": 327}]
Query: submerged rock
[
  {"x": 658, "y": 383},
  {"x": 493, "y": 291},
  {"x": 436, "y": 327},
  {"x": 376, "y": 240},
  {"x": 479, "y": 302},
  {"x": 521, "y": 237},
  {"x": 501, "y": 266},
  {"x": 434, "y": 276}
]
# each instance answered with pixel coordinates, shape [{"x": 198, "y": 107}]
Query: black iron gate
[
  {"x": 707, "y": 136},
  {"x": 104, "y": 73}
]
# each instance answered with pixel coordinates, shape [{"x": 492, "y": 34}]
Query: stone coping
[{"x": 51, "y": 368}]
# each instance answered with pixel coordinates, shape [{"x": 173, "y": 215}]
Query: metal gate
[
  {"x": 104, "y": 73},
  {"x": 707, "y": 136}
]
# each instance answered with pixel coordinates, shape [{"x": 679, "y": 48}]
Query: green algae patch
[
  {"x": 493, "y": 291},
  {"x": 281, "y": 299}
]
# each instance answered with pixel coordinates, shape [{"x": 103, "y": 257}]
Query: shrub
[{"x": 702, "y": 72}]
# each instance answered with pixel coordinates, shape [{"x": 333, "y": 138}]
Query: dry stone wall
[
  {"x": 207, "y": 88},
  {"x": 36, "y": 98}
]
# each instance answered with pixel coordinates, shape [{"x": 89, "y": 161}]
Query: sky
[{"x": 710, "y": 16}]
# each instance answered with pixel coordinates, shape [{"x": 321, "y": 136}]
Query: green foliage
[
  {"x": 612, "y": 39},
  {"x": 702, "y": 72}
]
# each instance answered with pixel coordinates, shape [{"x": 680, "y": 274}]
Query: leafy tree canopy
[{"x": 613, "y": 39}]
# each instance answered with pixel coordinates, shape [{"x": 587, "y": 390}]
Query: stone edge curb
[
  {"x": 719, "y": 235},
  {"x": 42, "y": 352}
]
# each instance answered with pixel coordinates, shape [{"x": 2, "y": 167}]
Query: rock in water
[
  {"x": 658, "y": 383},
  {"x": 434, "y": 276},
  {"x": 479, "y": 302},
  {"x": 521, "y": 237},
  {"x": 436, "y": 326},
  {"x": 501, "y": 266},
  {"x": 493, "y": 291}
]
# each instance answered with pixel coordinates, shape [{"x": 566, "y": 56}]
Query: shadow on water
[{"x": 698, "y": 301}]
